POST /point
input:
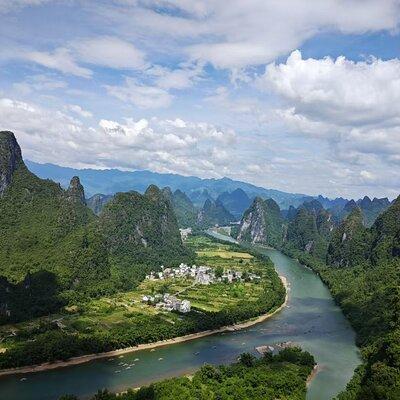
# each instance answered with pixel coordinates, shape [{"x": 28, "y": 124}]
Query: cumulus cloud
[
  {"x": 355, "y": 105},
  {"x": 161, "y": 145},
  {"x": 248, "y": 32}
]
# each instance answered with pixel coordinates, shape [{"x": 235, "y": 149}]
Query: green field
[{"x": 123, "y": 319}]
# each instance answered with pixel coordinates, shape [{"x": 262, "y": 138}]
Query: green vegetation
[
  {"x": 350, "y": 242},
  {"x": 141, "y": 236},
  {"x": 185, "y": 211},
  {"x": 262, "y": 223},
  {"x": 361, "y": 266},
  {"x": 121, "y": 320},
  {"x": 213, "y": 213},
  {"x": 55, "y": 251},
  {"x": 280, "y": 377},
  {"x": 309, "y": 230},
  {"x": 236, "y": 202},
  {"x": 363, "y": 274}
]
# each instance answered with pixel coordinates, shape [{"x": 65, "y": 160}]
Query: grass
[{"x": 225, "y": 254}]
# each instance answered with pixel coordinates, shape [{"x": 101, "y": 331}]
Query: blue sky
[{"x": 293, "y": 95}]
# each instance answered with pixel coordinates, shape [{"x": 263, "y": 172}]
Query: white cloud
[
  {"x": 60, "y": 59},
  {"x": 40, "y": 82},
  {"x": 179, "y": 78},
  {"x": 160, "y": 145},
  {"x": 110, "y": 52},
  {"x": 79, "y": 111},
  {"x": 10, "y": 5},
  {"x": 142, "y": 96},
  {"x": 247, "y": 32},
  {"x": 105, "y": 51},
  {"x": 355, "y": 105}
]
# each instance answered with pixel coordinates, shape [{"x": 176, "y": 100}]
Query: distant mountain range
[
  {"x": 111, "y": 181},
  {"x": 193, "y": 193}
]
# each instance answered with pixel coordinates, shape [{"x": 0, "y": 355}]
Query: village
[{"x": 201, "y": 275}]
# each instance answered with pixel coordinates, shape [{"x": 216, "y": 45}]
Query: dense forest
[
  {"x": 361, "y": 266},
  {"x": 282, "y": 376},
  {"x": 54, "y": 249},
  {"x": 356, "y": 251}
]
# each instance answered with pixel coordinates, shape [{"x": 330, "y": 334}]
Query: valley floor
[{"x": 134, "y": 325}]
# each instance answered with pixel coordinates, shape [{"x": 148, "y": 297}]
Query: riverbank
[
  {"x": 313, "y": 374},
  {"x": 148, "y": 346}
]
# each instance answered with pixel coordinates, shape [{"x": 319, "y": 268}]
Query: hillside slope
[
  {"x": 362, "y": 271},
  {"x": 54, "y": 248},
  {"x": 262, "y": 223}
]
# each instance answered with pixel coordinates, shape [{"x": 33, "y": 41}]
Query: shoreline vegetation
[
  {"x": 316, "y": 369},
  {"x": 237, "y": 309},
  {"x": 148, "y": 346},
  {"x": 249, "y": 377}
]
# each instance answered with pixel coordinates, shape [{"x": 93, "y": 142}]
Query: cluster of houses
[
  {"x": 185, "y": 233},
  {"x": 167, "y": 302},
  {"x": 202, "y": 274}
]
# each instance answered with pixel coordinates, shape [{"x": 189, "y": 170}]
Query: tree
[{"x": 247, "y": 359}]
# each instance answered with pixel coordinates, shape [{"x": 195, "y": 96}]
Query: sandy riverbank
[
  {"x": 313, "y": 374},
  {"x": 147, "y": 346}
]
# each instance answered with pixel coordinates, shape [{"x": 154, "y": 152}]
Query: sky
[{"x": 300, "y": 96}]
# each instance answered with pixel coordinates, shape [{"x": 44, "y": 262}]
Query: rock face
[
  {"x": 199, "y": 197},
  {"x": 310, "y": 229},
  {"x": 372, "y": 208},
  {"x": 386, "y": 233},
  {"x": 213, "y": 213},
  {"x": 10, "y": 159},
  {"x": 97, "y": 202},
  {"x": 262, "y": 223},
  {"x": 350, "y": 242},
  {"x": 353, "y": 244},
  {"x": 75, "y": 192},
  {"x": 236, "y": 202},
  {"x": 48, "y": 235}
]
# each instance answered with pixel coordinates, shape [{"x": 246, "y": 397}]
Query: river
[{"x": 310, "y": 319}]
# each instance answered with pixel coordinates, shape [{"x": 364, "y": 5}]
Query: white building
[{"x": 184, "y": 306}]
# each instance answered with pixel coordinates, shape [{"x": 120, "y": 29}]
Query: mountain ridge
[{"x": 139, "y": 180}]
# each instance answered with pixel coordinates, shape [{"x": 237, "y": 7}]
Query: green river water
[{"x": 311, "y": 319}]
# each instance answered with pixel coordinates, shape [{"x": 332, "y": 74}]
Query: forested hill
[
  {"x": 361, "y": 266},
  {"x": 53, "y": 247},
  {"x": 362, "y": 269},
  {"x": 140, "y": 230},
  {"x": 262, "y": 223}
]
